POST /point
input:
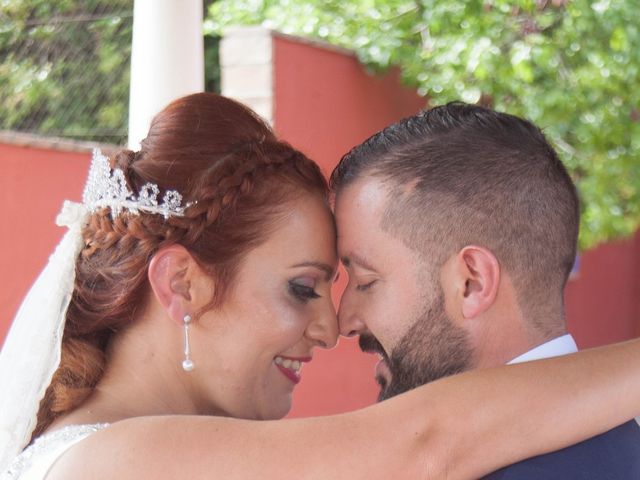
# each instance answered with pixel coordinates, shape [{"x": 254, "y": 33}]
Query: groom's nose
[{"x": 349, "y": 320}]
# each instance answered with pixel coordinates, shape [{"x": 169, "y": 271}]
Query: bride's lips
[{"x": 291, "y": 366}]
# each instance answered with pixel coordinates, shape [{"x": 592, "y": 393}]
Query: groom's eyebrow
[
  {"x": 327, "y": 269},
  {"x": 355, "y": 259}
]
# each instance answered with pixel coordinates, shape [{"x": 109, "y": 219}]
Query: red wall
[
  {"x": 325, "y": 103},
  {"x": 603, "y": 301},
  {"x": 33, "y": 184}
]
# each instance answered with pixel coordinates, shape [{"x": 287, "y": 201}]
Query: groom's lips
[
  {"x": 370, "y": 344},
  {"x": 382, "y": 371}
]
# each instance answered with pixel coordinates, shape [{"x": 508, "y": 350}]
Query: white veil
[{"x": 31, "y": 351}]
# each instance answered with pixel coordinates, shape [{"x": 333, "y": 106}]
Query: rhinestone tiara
[{"x": 107, "y": 187}]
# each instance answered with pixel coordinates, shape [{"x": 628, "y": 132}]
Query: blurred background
[{"x": 327, "y": 74}]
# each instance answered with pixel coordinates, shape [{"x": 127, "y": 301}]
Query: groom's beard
[{"x": 432, "y": 348}]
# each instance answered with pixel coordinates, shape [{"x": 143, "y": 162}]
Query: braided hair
[{"x": 240, "y": 178}]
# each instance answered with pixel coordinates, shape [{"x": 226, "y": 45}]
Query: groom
[{"x": 458, "y": 229}]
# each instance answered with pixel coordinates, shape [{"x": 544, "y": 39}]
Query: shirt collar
[{"x": 562, "y": 345}]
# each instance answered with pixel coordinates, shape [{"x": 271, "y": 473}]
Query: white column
[
  {"x": 246, "y": 68},
  {"x": 167, "y": 59}
]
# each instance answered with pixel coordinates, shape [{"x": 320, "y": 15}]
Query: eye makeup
[{"x": 303, "y": 289}]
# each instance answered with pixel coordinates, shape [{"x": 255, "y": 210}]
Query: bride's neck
[{"x": 141, "y": 378}]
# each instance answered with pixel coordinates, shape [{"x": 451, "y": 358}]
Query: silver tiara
[{"x": 107, "y": 187}]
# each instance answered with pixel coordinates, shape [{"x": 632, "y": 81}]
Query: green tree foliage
[
  {"x": 64, "y": 67},
  {"x": 572, "y": 67}
]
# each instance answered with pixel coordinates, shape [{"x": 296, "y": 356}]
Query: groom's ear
[
  {"x": 478, "y": 274},
  {"x": 176, "y": 281}
]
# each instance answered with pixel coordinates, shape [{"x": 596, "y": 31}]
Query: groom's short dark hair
[{"x": 462, "y": 174}]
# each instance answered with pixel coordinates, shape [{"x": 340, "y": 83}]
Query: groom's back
[{"x": 614, "y": 455}]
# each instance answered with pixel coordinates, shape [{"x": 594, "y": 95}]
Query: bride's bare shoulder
[
  {"x": 152, "y": 447},
  {"x": 197, "y": 447}
]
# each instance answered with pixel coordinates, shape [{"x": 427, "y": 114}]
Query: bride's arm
[{"x": 457, "y": 428}]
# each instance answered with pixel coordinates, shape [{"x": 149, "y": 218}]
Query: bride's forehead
[{"x": 306, "y": 233}]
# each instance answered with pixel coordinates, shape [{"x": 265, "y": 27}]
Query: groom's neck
[{"x": 501, "y": 342}]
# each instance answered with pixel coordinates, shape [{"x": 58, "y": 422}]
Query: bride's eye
[{"x": 303, "y": 290}]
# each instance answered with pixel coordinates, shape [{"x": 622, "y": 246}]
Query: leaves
[
  {"x": 65, "y": 67},
  {"x": 572, "y": 67}
]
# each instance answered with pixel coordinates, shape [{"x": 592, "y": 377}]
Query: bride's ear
[{"x": 175, "y": 277}]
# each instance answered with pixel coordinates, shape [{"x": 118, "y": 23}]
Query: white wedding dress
[{"x": 36, "y": 460}]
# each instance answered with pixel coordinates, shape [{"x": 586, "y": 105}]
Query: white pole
[{"x": 167, "y": 59}]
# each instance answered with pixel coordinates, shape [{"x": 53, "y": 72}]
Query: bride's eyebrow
[{"x": 329, "y": 271}]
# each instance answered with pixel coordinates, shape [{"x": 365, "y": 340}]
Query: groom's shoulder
[{"x": 612, "y": 455}]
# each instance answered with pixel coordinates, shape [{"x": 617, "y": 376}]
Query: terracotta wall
[
  {"x": 33, "y": 184},
  {"x": 603, "y": 302},
  {"x": 324, "y": 103}
]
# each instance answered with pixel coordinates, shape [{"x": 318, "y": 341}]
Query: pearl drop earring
[{"x": 187, "y": 363}]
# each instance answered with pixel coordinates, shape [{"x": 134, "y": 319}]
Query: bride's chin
[
  {"x": 278, "y": 409},
  {"x": 272, "y": 407}
]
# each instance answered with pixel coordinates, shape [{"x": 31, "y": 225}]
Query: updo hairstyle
[{"x": 224, "y": 159}]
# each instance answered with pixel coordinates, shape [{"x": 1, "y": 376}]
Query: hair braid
[{"x": 238, "y": 178}]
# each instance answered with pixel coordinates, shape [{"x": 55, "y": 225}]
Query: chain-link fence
[{"x": 64, "y": 67}]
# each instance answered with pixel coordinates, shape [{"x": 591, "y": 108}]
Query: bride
[{"x": 201, "y": 285}]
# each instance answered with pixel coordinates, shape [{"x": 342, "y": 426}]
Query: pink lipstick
[{"x": 291, "y": 366}]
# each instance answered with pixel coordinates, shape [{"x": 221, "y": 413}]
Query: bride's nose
[{"x": 323, "y": 330}]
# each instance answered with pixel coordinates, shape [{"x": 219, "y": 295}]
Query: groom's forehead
[
  {"x": 363, "y": 241},
  {"x": 359, "y": 208}
]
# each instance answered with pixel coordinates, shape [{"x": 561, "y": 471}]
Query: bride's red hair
[{"x": 226, "y": 160}]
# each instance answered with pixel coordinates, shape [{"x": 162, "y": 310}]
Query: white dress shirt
[{"x": 557, "y": 347}]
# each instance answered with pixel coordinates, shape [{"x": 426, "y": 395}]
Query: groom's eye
[{"x": 365, "y": 286}]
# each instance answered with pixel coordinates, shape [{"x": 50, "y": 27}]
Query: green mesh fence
[{"x": 64, "y": 67}]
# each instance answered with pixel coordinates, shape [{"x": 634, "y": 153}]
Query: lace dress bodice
[{"x": 36, "y": 460}]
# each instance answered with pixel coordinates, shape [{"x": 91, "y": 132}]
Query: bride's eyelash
[{"x": 302, "y": 292}]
